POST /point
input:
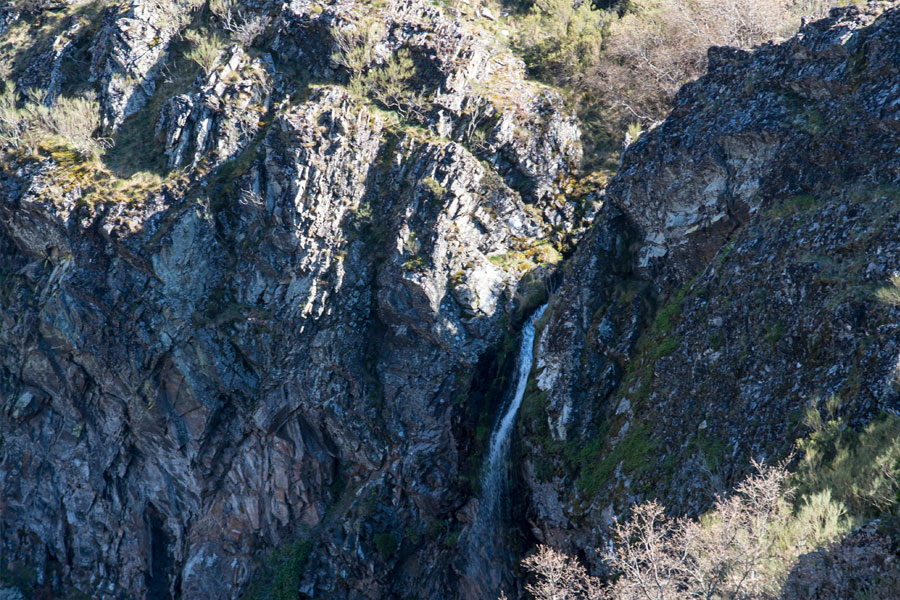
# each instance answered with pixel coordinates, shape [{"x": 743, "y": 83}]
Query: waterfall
[{"x": 487, "y": 558}]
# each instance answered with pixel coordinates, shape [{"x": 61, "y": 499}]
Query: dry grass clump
[{"x": 73, "y": 121}]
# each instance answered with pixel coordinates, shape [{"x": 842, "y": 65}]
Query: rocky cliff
[
  {"x": 253, "y": 346},
  {"x": 732, "y": 281},
  {"x": 279, "y": 334}
]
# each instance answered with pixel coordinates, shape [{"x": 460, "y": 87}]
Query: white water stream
[{"x": 486, "y": 550}]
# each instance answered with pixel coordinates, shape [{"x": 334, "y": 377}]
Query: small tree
[
  {"x": 393, "y": 85},
  {"x": 560, "y": 577}
]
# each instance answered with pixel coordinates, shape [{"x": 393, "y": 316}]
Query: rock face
[
  {"x": 473, "y": 93},
  {"x": 272, "y": 365},
  {"x": 762, "y": 221},
  {"x": 130, "y": 51},
  {"x": 760, "y": 127},
  {"x": 279, "y": 342},
  {"x": 223, "y": 118}
]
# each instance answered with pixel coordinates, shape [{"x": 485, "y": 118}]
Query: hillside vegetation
[
  {"x": 826, "y": 531},
  {"x": 622, "y": 65}
]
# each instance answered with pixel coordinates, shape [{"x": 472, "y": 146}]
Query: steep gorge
[
  {"x": 258, "y": 345},
  {"x": 277, "y": 342}
]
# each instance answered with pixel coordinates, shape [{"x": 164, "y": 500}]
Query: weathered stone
[
  {"x": 757, "y": 209},
  {"x": 129, "y": 53}
]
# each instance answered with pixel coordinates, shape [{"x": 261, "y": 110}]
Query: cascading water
[{"x": 487, "y": 557}]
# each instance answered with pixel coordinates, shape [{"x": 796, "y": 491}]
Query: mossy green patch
[
  {"x": 803, "y": 203},
  {"x": 710, "y": 447},
  {"x": 666, "y": 347},
  {"x": 280, "y": 576},
  {"x": 631, "y": 452},
  {"x": 774, "y": 332}
]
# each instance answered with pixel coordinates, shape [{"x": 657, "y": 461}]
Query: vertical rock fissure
[
  {"x": 485, "y": 553},
  {"x": 160, "y": 559}
]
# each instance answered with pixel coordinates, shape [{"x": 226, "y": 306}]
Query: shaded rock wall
[
  {"x": 276, "y": 342},
  {"x": 762, "y": 217}
]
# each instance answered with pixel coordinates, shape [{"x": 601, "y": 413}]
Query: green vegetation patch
[
  {"x": 860, "y": 468},
  {"x": 890, "y": 293},
  {"x": 774, "y": 332},
  {"x": 710, "y": 447},
  {"x": 631, "y": 453},
  {"x": 386, "y": 544},
  {"x": 522, "y": 261},
  {"x": 801, "y": 204},
  {"x": 658, "y": 343},
  {"x": 280, "y": 576}
]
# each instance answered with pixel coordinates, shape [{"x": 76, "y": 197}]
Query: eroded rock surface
[
  {"x": 281, "y": 342},
  {"x": 130, "y": 51},
  {"x": 757, "y": 223}
]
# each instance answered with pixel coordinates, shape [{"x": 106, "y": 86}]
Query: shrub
[
  {"x": 288, "y": 563},
  {"x": 661, "y": 45},
  {"x": 559, "y": 577},
  {"x": 561, "y": 42},
  {"x": 625, "y": 64},
  {"x": 889, "y": 294},
  {"x": 280, "y": 575},
  {"x": 70, "y": 120},
  {"x": 243, "y": 27},
  {"x": 356, "y": 44},
  {"x": 754, "y": 543},
  {"x": 205, "y": 49},
  {"x": 861, "y": 469},
  {"x": 743, "y": 548},
  {"x": 75, "y": 120},
  {"x": 392, "y": 85},
  {"x": 12, "y": 120}
]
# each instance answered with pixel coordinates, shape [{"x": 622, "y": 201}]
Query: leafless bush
[
  {"x": 243, "y": 27},
  {"x": 246, "y": 28},
  {"x": 622, "y": 69},
  {"x": 742, "y": 549},
  {"x": 662, "y": 45},
  {"x": 560, "y": 577}
]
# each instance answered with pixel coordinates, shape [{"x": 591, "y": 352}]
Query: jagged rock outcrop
[
  {"x": 759, "y": 127},
  {"x": 130, "y": 51},
  {"x": 473, "y": 94},
  {"x": 762, "y": 214},
  {"x": 280, "y": 340},
  {"x": 221, "y": 119}
]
